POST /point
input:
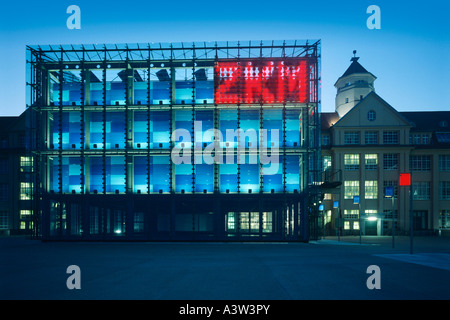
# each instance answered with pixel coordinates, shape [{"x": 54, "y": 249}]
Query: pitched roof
[
  {"x": 428, "y": 120},
  {"x": 355, "y": 67},
  {"x": 328, "y": 119}
]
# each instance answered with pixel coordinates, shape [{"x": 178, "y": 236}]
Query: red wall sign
[
  {"x": 262, "y": 81},
  {"x": 405, "y": 179}
]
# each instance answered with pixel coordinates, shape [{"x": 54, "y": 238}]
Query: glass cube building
[{"x": 175, "y": 141}]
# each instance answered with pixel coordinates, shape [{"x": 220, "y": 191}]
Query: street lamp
[
  {"x": 405, "y": 180},
  {"x": 336, "y": 206},
  {"x": 356, "y": 200},
  {"x": 389, "y": 193}
]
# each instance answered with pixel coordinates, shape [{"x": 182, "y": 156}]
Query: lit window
[
  {"x": 25, "y": 191},
  {"x": 351, "y": 214},
  {"x": 444, "y": 219},
  {"x": 26, "y": 164},
  {"x": 351, "y": 189},
  {"x": 371, "y": 161},
  {"x": 371, "y": 189},
  {"x": 351, "y": 161}
]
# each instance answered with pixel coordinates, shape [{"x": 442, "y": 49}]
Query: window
[
  {"x": 390, "y": 161},
  {"x": 351, "y": 161},
  {"x": 420, "y": 163},
  {"x": 416, "y": 139},
  {"x": 3, "y": 166},
  {"x": 394, "y": 184},
  {"x": 351, "y": 214},
  {"x": 444, "y": 190},
  {"x": 421, "y": 190},
  {"x": 3, "y": 192},
  {"x": 26, "y": 164},
  {"x": 25, "y": 191},
  {"x": 420, "y": 218},
  {"x": 444, "y": 219},
  {"x": 4, "y": 219},
  {"x": 371, "y": 161},
  {"x": 371, "y": 137},
  {"x": 351, "y": 137},
  {"x": 425, "y": 139},
  {"x": 326, "y": 163},
  {"x": 351, "y": 189},
  {"x": 325, "y": 140},
  {"x": 371, "y": 189},
  {"x": 390, "y": 137},
  {"x": 444, "y": 162},
  {"x": 371, "y": 115}
]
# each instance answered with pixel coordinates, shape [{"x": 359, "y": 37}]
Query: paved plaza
[{"x": 323, "y": 269}]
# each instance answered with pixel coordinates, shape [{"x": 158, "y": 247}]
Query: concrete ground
[{"x": 324, "y": 269}]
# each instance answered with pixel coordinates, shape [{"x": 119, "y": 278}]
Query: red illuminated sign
[
  {"x": 405, "y": 179},
  {"x": 262, "y": 81}
]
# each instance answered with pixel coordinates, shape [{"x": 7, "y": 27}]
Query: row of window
[
  {"x": 371, "y": 137},
  {"x": 421, "y": 190},
  {"x": 390, "y": 162}
]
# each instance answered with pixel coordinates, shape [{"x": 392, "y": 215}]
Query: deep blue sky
[{"x": 410, "y": 55}]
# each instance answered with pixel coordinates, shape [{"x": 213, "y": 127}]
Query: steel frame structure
[{"x": 294, "y": 209}]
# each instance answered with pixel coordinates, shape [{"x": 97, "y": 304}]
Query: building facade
[
  {"x": 15, "y": 177},
  {"x": 202, "y": 141},
  {"x": 366, "y": 145}
]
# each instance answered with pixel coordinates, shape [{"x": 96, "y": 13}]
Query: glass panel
[
  {"x": 160, "y": 174},
  {"x": 292, "y": 128},
  {"x": 160, "y": 129},
  {"x": 115, "y": 130},
  {"x": 115, "y": 86},
  {"x": 292, "y": 173},
  {"x": 140, "y": 130},
  {"x": 204, "y": 85},
  {"x": 160, "y": 82},
  {"x": 228, "y": 121},
  {"x": 249, "y": 176},
  {"x": 204, "y": 177},
  {"x": 250, "y": 128},
  {"x": 71, "y": 174},
  {"x": 115, "y": 174},
  {"x": 96, "y": 130},
  {"x": 96, "y": 175},
  {"x": 183, "y": 178},
  {"x": 229, "y": 177},
  {"x": 273, "y": 124},
  {"x": 140, "y": 86},
  {"x": 140, "y": 174},
  {"x": 183, "y": 86}
]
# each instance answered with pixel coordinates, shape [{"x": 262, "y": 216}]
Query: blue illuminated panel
[
  {"x": 273, "y": 124},
  {"x": 140, "y": 129},
  {"x": 96, "y": 130},
  {"x": 71, "y": 130},
  {"x": 292, "y": 128},
  {"x": 229, "y": 177},
  {"x": 183, "y": 178},
  {"x": 71, "y": 174},
  {"x": 249, "y": 175},
  {"x": 115, "y": 174},
  {"x": 115, "y": 130},
  {"x": 160, "y": 129},
  {"x": 96, "y": 174},
  {"x": 250, "y": 125},
  {"x": 273, "y": 175},
  {"x": 140, "y": 174},
  {"x": 228, "y": 121},
  {"x": 160, "y": 173},
  {"x": 292, "y": 173},
  {"x": 204, "y": 178}
]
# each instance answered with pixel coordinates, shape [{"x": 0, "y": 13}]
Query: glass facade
[{"x": 116, "y": 127}]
